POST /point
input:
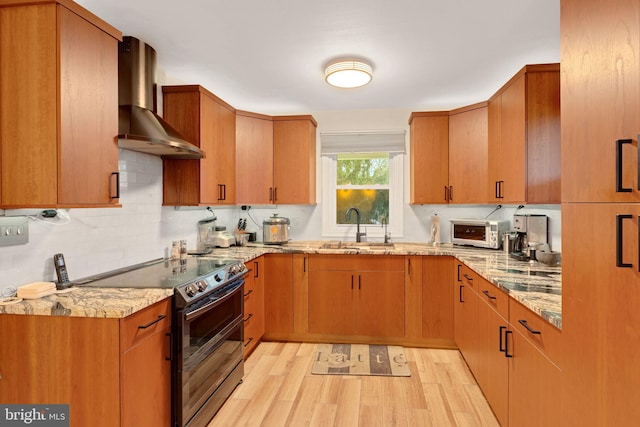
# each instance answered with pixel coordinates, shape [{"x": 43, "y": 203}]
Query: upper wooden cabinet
[
  {"x": 275, "y": 159},
  {"x": 58, "y": 108},
  {"x": 254, "y": 159},
  {"x": 468, "y": 139},
  {"x": 209, "y": 123},
  {"x": 429, "y": 157},
  {"x": 524, "y": 138},
  {"x": 600, "y": 101},
  {"x": 294, "y": 160}
]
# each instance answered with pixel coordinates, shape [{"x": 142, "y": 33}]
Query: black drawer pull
[
  {"x": 528, "y": 328},
  {"x": 619, "y": 241},
  {"x": 248, "y": 341},
  {"x": 619, "y": 187},
  {"x": 461, "y": 299},
  {"x": 248, "y": 293},
  {"x": 117, "y": 175},
  {"x": 502, "y": 347},
  {"x": 486, "y": 292},
  {"x": 248, "y": 317},
  {"x": 153, "y": 322},
  {"x": 506, "y": 344},
  {"x": 469, "y": 278}
]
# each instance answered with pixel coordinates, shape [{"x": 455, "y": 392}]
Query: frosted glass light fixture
[{"x": 348, "y": 73}]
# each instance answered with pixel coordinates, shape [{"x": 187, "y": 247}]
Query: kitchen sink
[{"x": 357, "y": 245}]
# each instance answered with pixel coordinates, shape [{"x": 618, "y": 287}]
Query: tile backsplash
[{"x": 98, "y": 240}]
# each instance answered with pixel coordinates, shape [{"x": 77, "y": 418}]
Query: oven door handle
[{"x": 197, "y": 312}]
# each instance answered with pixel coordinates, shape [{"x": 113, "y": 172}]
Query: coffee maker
[{"x": 532, "y": 232}]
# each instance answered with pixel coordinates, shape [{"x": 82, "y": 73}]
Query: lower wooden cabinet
[
  {"x": 466, "y": 315},
  {"x": 278, "y": 303},
  {"x": 253, "y": 304},
  {"x": 357, "y": 295},
  {"x": 111, "y": 372},
  {"x": 437, "y": 300}
]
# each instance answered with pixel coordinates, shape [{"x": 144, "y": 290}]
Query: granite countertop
[{"x": 536, "y": 286}]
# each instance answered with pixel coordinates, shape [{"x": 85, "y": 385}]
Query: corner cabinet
[
  {"x": 524, "y": 138},
  {"x": 59, "y": 107},
  {"x": 112, "y": 372},
  {"x": 209, "y": 123},
  {"x": 429, "y": 157}
]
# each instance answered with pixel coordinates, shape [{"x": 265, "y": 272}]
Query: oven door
[{"x": 210, "y": 350}]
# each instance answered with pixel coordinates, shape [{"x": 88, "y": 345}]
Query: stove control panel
[{"x": 210, "y": 282}]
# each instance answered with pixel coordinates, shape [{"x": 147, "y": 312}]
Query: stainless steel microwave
[{"x": 482, "y": 233}]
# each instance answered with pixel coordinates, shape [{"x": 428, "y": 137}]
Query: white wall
[{"x": 98, "y": 240}]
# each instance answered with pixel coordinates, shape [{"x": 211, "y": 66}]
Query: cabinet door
[
  {"x": 532, "y": 381},
  {"x": 254, "y": 159},
  {"x": 437, "y": 298},
  {"x": 145, "y": 374},
  {"x": 429, "y": 158},
  {"x": 468, "y": 139},
  {"x": 278, "y": 286},
  {"x": 600, "y": 92},
  {"x": 294, "y": 161},
  {"x": 493, "y": 367},
  {"x": 600, "y": 313},
  {"x": 331, "y": 297},
  {"x": 253, "y": 305},
  {"x": 88, "y": 155},
  {"x": 466, "y": 324},
  {"x": 512, "y": 142},
  {"x": 380, "y": 304},
  {"x": 494, "y": 174}
]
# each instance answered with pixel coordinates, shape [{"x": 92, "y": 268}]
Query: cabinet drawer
[
  {"x": 144, "y": 323},
  {"x": 493, "y": 296},
  {"x": 537, "y": 330},
  {"x": 467, "y": 275},
  {"x": 356, "y": 263}
]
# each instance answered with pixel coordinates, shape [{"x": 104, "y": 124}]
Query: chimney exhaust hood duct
[{"x": 140, "y": 129}]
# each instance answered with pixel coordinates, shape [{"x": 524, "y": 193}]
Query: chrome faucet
[
  {"x": 387, "y": 236},
  {"x": 359, "y": 235}
]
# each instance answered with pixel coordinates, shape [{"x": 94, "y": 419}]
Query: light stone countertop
[{"x": 536, "y": 286}]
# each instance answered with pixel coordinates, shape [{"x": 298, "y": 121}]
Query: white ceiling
[{"x": 269, "y": 56}]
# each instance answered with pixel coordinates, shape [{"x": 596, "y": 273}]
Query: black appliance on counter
[{"x": 207, "y": 328}]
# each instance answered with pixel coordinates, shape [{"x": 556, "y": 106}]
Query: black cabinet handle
[
  {"x": 304, "y": 264},
  {"x": 359, "y": 281},
  {"x": 248, "y": 317},
  {"x": 275, "y": 194},
  {"x": 459, "y": 266},
  {"x": 497, "y": 189},
  {"x": 460, "y": 297},
  {"x": 507, "y": 334},
  {"x": 271, "y": 194},
  {"x": 619, "y": 241},
  {"x": 529, "y": 328},
  {"x": 117, "y": 175},
  {"x": 409, "y": 266},
  {"x": 256, "y": 264},
  {"x": 619, "y": 187},
  {"x": 153, "y": 322},
  {"x": 248, "y": 293},
  {"x": 486, "y": 292},
  {"x": 170, "y": 335},
  {"x": 502, "y": 347},
  {"x": 248, "y": 341},
  {"x": 222, "y": 192},
  {"x": 352, "y": 282},
  {"x": 469, "y": 278},
  {"x": 451, "y": 193},
  {"x": 446, "y": 193}
]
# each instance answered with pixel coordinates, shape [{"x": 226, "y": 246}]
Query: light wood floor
[{"x": 279, "y": 390}]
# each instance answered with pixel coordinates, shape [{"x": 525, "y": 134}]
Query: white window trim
[{"x": 348, "y": 231}]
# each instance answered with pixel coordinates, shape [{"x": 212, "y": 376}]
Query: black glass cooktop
[{"x": 160, "y": 273}]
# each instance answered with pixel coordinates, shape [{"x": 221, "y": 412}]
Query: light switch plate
[{"x": 14, "y": 230}]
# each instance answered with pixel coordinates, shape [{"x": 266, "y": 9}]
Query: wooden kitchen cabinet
[
  {"x": 111, "y": 372},
  {"x": 468, "y": 156},
  {"x": 253, "y": 305},
  {"x": 524, "y": 138},
  {"x": 59, "y": 107},
  {"x": 209, "y": 123},
  {"x": 294, "y": 160},
  {"x": 438, "y": 294},
  {"x": 278, "y": 303},
  {"x": 254, "y": 159},
  {"x": 465, "y": 314},
  {"x": 357, "y": 295},
  {"x": 429, "y": 157}
]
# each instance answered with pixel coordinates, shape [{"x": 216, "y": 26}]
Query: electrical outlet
[{"x": 14, "y": 230}]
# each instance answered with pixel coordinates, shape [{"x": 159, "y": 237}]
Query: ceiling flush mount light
[{"x": 348, "y": 73}]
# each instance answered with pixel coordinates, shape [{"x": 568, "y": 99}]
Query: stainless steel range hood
[{"x": 140, "y": 129}]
